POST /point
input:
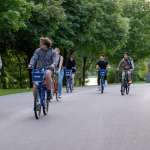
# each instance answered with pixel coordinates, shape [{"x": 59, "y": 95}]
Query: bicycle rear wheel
[
  {"x": 123, "y": 87},
  {"x": 128, "y": 88},
  {"x": 37, "y": 105},
  {"x": 67, "y": 85}
]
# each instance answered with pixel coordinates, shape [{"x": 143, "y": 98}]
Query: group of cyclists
[{"x": 46, "y": 56}]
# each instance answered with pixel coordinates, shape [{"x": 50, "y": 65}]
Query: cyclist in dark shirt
[
  {"x": 71, "y": 62},
  {"x": 102, "y": 64}
]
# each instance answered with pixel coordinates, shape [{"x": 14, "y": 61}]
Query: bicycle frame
[
  {"x": 41, "y": 86},
  {"x": 68, "y": 74},
  {"x": 125, "y": 85},
  {"x": 125, "y": 77},
  {"x": 55, "y": 81},
  {"x": 102, "y": 74}
]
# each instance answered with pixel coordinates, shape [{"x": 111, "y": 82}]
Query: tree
[
  {"x": 139, "y": 34},
  {"x": 13, "y": 13},
  {"x": 41, "y": 23}
]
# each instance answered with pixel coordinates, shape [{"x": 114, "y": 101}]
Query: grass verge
[{"x": 13, "y": 91}]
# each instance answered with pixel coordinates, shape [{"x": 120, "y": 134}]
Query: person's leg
[
  {"x": 60, "y": 81},
  {"x": 129, "y": 76},
  {"x": 48, "y": 83},
  {"x": 72, "y": 77},
  {"x": 98, "y": 81},
  {"x": 105, "y": 78},
  {"x": 34, "y": 88}
]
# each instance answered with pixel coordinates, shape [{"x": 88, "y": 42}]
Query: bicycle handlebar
[{"x": 40, "y": 70}]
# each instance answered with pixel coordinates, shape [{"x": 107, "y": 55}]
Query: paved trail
[{"x": 82, "y": 120}]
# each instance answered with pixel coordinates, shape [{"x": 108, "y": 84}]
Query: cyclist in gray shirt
[
  {"x": 44, "y": 56},
  {"x": 128, "y": 65}
]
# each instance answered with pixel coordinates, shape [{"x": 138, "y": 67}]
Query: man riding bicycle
[
  {"x": 102, "y": 64},
  {"x": 128, "y": 65},
  {"x": 44, "y": 56}
]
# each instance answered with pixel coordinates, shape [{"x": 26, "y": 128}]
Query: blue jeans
[{"x": 60, "y": 81}]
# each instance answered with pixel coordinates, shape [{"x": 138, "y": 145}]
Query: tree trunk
[
  {"x": 64, "y": 62},
  {"x": 84, "y": 69},
  {"x": 20, "y": 71},
  {"x": 30, "y": 76}
]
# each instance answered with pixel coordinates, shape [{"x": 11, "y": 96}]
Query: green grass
[{"x": 13, "y": 91}]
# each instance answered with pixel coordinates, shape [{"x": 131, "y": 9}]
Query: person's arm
[
  {"x": 54, "y": 59},
  {"x": 108, "y": 66},
  {"x": 122, "y": 61},
  {"x": 75, "y": 65},
  {"x": 132, "y": 63},
  {"x": 0, "y": 62},
  {"x": 97, "y": 66},
  {"x": 33, "y": 59},
  {"x": 60, "y": 64}
]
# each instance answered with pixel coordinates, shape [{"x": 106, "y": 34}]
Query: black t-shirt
[
  {"x": 71, "y": 64},
  {"x": 102, "y": 64}
]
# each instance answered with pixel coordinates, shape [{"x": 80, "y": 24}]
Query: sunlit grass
[{"x": 13, "y": 91}]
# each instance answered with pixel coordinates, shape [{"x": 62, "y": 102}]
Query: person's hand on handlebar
[
  {"x": 117, "y": 69},
  {"x": 132, "y": 70},
  {"x": 30, "y": 67},
  {"x": 52, "y": 66}
]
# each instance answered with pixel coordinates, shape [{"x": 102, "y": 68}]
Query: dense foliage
[{"x": 84, "y": 28}]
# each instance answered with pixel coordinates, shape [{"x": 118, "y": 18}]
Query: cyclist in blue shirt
[{"x": 102, "y": 64}]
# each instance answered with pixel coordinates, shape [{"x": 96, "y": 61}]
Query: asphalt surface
[{"x": 82, "y": 120}]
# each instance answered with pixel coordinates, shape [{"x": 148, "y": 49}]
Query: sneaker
[
  {"x": 105, "y": 82},
  {"x": 49, "y": 96},
  {"x": 130, "y": 81},
  {"x": 59, "y": 95},
  {"x": 72, "y": 88},
  {"x": 98, "y": 89}
]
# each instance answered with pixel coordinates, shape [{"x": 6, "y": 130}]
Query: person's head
[
  {"x": 71, "y": 58},
  {"x": 126, "y": 55},
  {"x": 102, "y": 57},
  {"x": 45, "y": 43},
  {"x": 57, "y": 50}
]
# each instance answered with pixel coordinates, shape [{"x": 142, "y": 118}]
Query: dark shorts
[{"x": 73, "y": 72}]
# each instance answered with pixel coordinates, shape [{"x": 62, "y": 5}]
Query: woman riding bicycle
[
  {"x": 60, "y": 70},
  {"x": 71, "y": 62}
]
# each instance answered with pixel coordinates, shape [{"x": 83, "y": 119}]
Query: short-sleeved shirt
[{"x": 102, "y": 64}]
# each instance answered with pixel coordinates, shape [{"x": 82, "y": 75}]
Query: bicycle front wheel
[
  {"x": 37, "y": 104},
  {"x": 102, "y": 86},
  {"x": 127, "y": 88},
  {"x": 67, "y": 85},
  {"x": 46, "y": 107},
  {"x": 123, "y": 87},
  {"x": 57, "y": 95}
]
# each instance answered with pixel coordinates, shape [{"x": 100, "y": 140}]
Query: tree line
[{"x": 84, "y": 28}]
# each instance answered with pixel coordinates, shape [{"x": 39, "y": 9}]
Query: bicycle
[
  {"x": 41, "y": 92},
  {"x": 125, "y": 83},
  {"x": 102, "y": 74},
  {"x": 69, "y": 80},
  {"x": 55, "y": 84}
]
